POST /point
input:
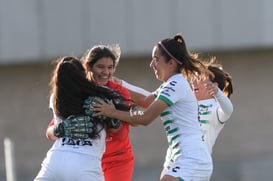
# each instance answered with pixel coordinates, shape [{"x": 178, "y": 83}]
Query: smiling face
[
  {"x": 102, "y": 70},
  {"x": 162, "y": 69}
]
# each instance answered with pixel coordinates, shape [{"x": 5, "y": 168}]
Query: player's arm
[
  {"x": 140, "y": 96},
  {"x": 50, "y": 131},
  {"x": 225, "y": 106},
  {"x": 135, "y": 88},
  {"x": 76, "y": 127},
  {"x": 135, "y": 117}
]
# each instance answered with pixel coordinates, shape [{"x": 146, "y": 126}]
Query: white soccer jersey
[
  {"x": 213, "y": 113},
  {"x": 187, "y": 155}
]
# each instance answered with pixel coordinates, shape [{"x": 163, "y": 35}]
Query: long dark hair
[
  {"x": 187, "y": 63},
  {"x": 70, "y": 88}
]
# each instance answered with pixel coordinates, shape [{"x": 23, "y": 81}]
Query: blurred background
[{"x": 238, "y": 32}]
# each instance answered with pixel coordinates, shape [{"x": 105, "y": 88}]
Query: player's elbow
[
  {"x": 230, "y": 110},
  {"x": 145, "y": 124}
]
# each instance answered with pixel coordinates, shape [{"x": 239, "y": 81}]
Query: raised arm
[{"x": 225, "y": 106}]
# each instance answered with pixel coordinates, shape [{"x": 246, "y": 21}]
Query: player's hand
[
  {"x": 211, "y": 88},
  {"x": 100, "y": 107},
  {"x": 104, "y": 110},
  {"x": 76, "y": 127},
  {"x": 93, "y": 101}
]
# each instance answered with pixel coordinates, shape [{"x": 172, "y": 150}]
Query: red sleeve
[
  {"x": 49, "y": 125},
  {"x": 124, "y": 92}
]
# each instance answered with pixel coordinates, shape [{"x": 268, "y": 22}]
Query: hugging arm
[
  {"x": 140, "y": 96},
  {"x": 76, "y": 127},
  {"x": 134, "y": 117}
]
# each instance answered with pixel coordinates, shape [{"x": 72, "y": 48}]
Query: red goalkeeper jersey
[{"x": 118, "y": 159}]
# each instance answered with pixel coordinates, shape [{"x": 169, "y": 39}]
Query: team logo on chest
[{"x": 76, "y": 142}]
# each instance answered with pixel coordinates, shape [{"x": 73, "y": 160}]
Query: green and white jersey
[
  {"x": 180, "y": 121},
  {"x": 213, "y": 113}
]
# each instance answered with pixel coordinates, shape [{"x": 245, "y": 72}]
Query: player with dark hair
[
  {"x": 118, "y": 160},
  {"x": 76, "y": 156},
  {"x": 187, "y": 157},
  {"x": 215, "y": 107}
]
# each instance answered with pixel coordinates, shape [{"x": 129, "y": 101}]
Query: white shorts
[
  {"x": 190, "y": 169},
  {"x": 70, "y": 166},
  {"x": 187, "y": 175}
]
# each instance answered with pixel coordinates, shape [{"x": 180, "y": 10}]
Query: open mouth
[
  {"x": 101, "y": 80},
  {"x": 195, "y": 89},
  {"x": 103, "y": 77}
]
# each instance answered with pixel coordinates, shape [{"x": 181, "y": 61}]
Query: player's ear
[
  {"x": 172, "y": 61},
  {"x": 173, "y": 64}
]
